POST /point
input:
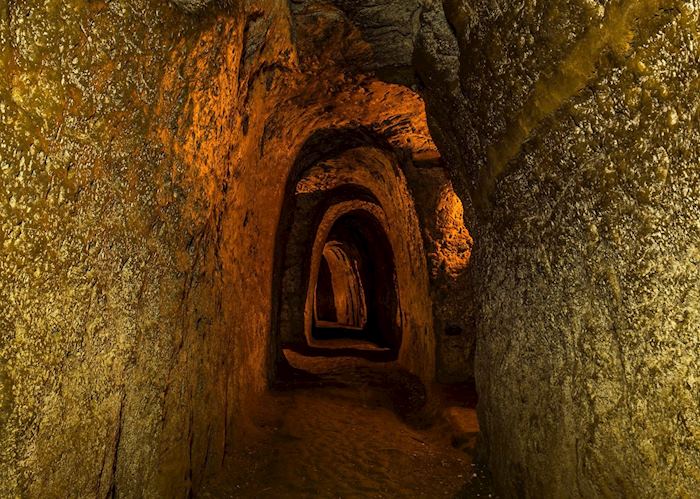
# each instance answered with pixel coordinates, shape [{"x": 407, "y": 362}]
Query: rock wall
[
  {"x": 448, "y": 247},
  {"x": 101, "y": 250},
  {"x": 573, "y": 126}
]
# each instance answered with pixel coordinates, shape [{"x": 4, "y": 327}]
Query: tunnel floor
[{"x": 351, "y": 427}]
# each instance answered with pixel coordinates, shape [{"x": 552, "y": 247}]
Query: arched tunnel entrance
[
  {"x": 351, "y": 262},
  {"x": 356, "y": 284},
  {"x": 355, "y": 316},
  {"x": 339, "y": 299}
]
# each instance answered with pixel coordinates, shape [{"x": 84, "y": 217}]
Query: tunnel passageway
[
  {"x": 354, "y": 409},
  {"x": 339, "y": 300},
  {"x": 352, "y": 268},
  {"x": 355, "y": 295},
  {"x": 272, "y": 248}
]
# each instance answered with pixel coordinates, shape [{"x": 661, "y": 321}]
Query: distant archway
[
  {"x": 357, "y": 228},
  {"x": 358, "y": 173},
  {"x": 339, "y": 299}
]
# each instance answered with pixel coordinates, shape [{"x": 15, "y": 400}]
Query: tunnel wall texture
[
  {"x": 113, "y": 304},
  {"x": 448, "y": 246},
  {"x": 144, "y": 156},
  {"x": 574, "y": 127}
]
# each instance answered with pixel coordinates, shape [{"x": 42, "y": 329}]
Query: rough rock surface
[
  {"x": 99, "y": 262},
  {"x": 448, "y": 251},
  {"x": 574, "y": 126},
  {"x": 389, "y": 27},
  {"x": 192, "y": 5}
]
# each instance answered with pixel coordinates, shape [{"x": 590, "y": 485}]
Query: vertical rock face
[
  {"x": 577, "y": 136},
  {"x": 101, "y": 263},
  {"x": 448, "y": 250}
]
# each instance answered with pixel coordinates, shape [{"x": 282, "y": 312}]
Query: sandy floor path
[{"x": 335, "y": 432}]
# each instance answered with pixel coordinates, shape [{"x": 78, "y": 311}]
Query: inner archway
[
  {"x": 359, "y": 198},
  {"x": 339, "y": 302},
  {"x": 358, "y": 259}
]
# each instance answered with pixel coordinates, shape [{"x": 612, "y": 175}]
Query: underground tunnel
[
  {"x": 335, "y": 248},
  {"x": 354, "y": 285}
]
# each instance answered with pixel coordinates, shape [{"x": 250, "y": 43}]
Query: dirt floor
[{"x": 346, "y": 427}]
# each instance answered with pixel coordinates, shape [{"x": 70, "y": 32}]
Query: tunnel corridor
[
  {"x": 354, "y": 388},
  {"x": 361, "y": 281},
  {"x": 347, "y": 248},
  {"x": 339, "y": 299}
]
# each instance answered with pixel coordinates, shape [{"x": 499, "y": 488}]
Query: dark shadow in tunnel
[
  {"x": 325, "y": 311},
  {"x": 366, "y": 288},
  {"x": 321, "y": 145}
]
